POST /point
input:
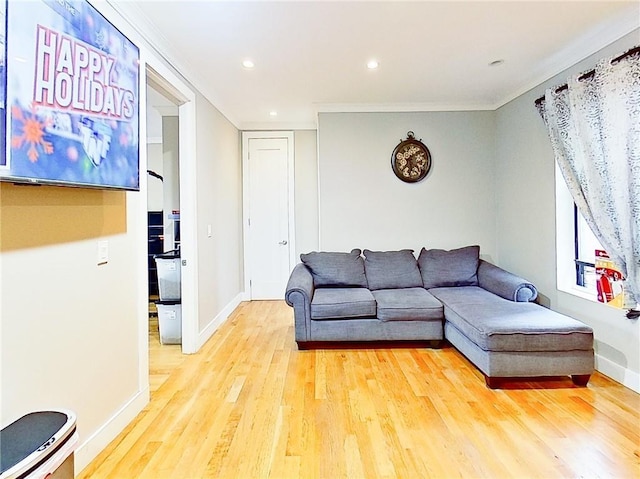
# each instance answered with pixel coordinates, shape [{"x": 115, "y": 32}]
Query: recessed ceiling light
[
  {"x": 496, "y": 63},
  {"x": 248, "y": 64},
  {"x": 273, "y": 113},
  {"x": 372, "y": 64}
]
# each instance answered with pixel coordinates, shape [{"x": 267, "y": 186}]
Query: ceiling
[{"x": 312, "y": 56}]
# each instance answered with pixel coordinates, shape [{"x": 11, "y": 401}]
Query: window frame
[
  {"x": 570, "y": 269},
  {"x": 581, "y": 264}
]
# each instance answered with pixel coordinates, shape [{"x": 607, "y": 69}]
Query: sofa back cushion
[
  {"x": 457, "y": 267},
  {"x": 338, "y": 270},
  {"x": 391, "y": 269}
]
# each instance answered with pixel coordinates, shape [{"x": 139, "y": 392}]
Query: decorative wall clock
[{"x": 411, "y": 160}]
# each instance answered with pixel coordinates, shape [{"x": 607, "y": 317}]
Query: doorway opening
[
  {"x": 163, "y": 228},
  {"x": 173, "y": 95}
]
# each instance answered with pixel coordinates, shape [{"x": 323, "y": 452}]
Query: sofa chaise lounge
[{"x": 484, "y": 311}]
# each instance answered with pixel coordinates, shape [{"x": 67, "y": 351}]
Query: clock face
[{"x": 411, "y": 160}]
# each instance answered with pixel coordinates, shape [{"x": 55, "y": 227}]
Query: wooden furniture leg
[
  {"x": 492, "y": 383},
  {"x": 580, "y": 379}
]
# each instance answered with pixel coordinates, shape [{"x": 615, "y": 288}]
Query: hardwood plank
[{"x": 251, "y": 405}]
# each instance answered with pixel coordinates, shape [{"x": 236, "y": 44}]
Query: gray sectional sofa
[{"x": 484, "y": 311}]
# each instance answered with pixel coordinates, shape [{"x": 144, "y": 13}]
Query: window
[
  {"x": 575, "y": 247},
  {"x": 585, "y": 246}
]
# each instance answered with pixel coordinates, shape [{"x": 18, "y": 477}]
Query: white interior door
[{"x": 268, "y": 240}]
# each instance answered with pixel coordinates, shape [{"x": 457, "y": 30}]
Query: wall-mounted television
[{"x": 72, "y": 97}]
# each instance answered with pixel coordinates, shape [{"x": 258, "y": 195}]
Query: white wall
[
  {"x": 306, "y": 191},
  {"x": 154, "y": 190},
  {"x": 163, "y": 158},
  {"x": 154, "y": 154},
  {"x": 171, "y": 174},
  {"x": 364, "y": 205},
  {"x": 525, "y": 188},
  {"x": 219, "y": 197},
  {"x": 70, "y": 329}
]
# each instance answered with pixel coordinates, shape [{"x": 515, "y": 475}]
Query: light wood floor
[
  {"x": 163, "y": 358},
  {"x": 250, "y": 405}
]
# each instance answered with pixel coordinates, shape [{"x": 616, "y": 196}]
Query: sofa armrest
[
  {"x": 504, "y": 284},
  {"x": 298, "y": 295},
  {"x": 300, "y": 281}
]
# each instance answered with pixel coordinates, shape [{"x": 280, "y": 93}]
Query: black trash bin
[{"x": 39, "y": 445}]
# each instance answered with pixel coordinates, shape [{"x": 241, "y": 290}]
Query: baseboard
[
  {"x": 222, "y": 316},
  {"x": 618, "y": 373},
  {"x": 88, "y": 450}
]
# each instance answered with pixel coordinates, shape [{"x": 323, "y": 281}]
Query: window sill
[{"x": 579, "y": 291}]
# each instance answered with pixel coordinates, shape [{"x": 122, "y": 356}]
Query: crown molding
[
  {"x": 581, "y": 48},
  {"x": 278, "y": 126},
  {"x": 399, "y": 107}
]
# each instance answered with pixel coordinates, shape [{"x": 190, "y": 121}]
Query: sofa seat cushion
[
  {"x": 497, "y": 324},
  {"x": 408, "y": 304},
  {"x": 342, "y": 303}
]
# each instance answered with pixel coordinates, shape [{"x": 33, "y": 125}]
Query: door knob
[{"x": 283, "y": 242}]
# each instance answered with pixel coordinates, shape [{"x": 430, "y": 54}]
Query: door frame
[
  {"x": 164, "y": 80},
  {"x": 246, "y": 136}
]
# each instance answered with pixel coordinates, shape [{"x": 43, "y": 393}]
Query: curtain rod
[{"x": 590, "y": 73}]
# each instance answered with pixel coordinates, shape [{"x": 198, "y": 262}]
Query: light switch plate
[{"x": 103, "y": 252}]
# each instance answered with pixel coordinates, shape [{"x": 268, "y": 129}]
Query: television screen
[{"x": 72, "y": 97}]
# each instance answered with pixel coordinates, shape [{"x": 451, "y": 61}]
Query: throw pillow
[
  {"x": 391, "y": 269},
  {"x": 457, "y": 267},
  {"x": 340, "y": 270}
]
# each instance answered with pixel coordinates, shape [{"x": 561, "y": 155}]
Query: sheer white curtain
[{"x": 594, "y": 127}]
